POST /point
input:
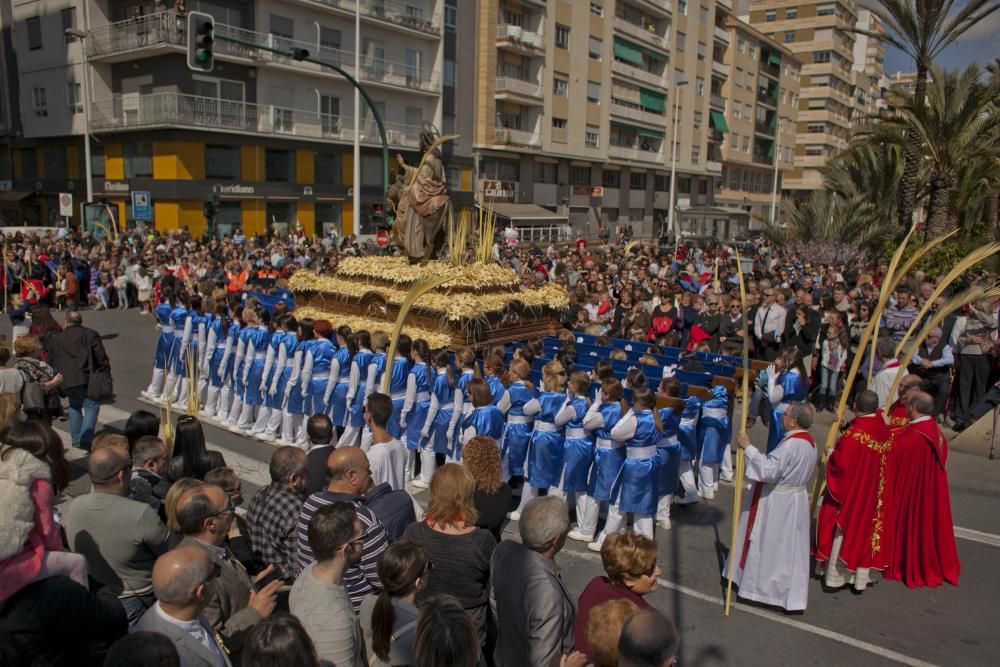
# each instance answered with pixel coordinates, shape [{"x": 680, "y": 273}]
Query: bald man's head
[
  {"x": 107, "y": 465},
  {"x": 919, "y": 404},
  {"x": 203, "y": 511},
  {"x": 648, "y": 639},
  {"x": 179, "y": 574},
  {"x": 287, "y": 462},
  {"x": 348, "y": 470}
]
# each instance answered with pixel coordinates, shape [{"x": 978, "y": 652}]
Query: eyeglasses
[
  {"x": 228, "y": 508},
  {"x": 360, "y": 539}
]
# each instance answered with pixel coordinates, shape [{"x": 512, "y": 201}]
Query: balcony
[
  {"x": 767, "y": 99},
  {"x": 637, "y": 154},
  {"x": 162, "y": 110},
  {"x": 763, "y": 128},
  {"x": 721, "y": 34},
  {"x": 637, "y": 114},
  {"x": 720, "y": 69},
  {"x": 717, "y": 101},
  {"x": 392, "y": 14},
  {"x": 163, "y": 32},
  {"x": 713, "y": 167},
  {"x": 511, "y": 137},
  {"x": 647, "y": 36},
  {"x": 515, "y": 38},
  {"x": 773, "y": 71},
  {"x": 519, "y": 88},
  {"x": 624, "y": 69}
]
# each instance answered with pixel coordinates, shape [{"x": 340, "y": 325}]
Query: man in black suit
[
  {"x": 319, "y": 428},
  {"x": 76, "y": 352}
]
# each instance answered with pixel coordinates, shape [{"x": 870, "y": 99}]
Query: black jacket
[
  {"x": 70, "y": 353},
  {"x": 393, "y": 508}
]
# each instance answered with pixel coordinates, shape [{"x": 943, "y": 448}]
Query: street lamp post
[
  {"x": 777, "y": 159},
  {"x": 88, "y": 167},
  {"x": 673, "y": 159},
  {"x": 356, "y": 178}
]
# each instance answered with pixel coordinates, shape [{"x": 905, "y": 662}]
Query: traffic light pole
[{"x": 303, "y": 55}]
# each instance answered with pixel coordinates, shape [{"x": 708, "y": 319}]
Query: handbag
[
  {"x": 100, "y": 386},
  {"x": 32, "y": 395}
]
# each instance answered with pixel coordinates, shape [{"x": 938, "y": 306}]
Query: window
[
  {"x": 791, "y": 13},
  {"x": 74, "y": 97},
  {"x": 752, "y": 50},
  {"x": 68, "y": 16},
  {"x": 560, "y": 87},
  {"x": 609, "y": 214},
  {"x": 697, "y": 120},
  {"x": 450, "y": 18},
  {"x": 749, "y": 80},
  {"x": 734, "y": 141},
  {"x": 222, "y": 162},
  {"x": 38, "y": 102},
  {"x": 741, "y": 44},
  {"x": 97, "y": 161},
  {"x": 635, "y": 214},
  {"x": 682, "y": 7},
  {"x": 596, "y": 9},
  {"x": 545, "y": 172},
  {"x": 747, "y": 113},
  {"x": 701, "y": 51},
  {"x": 825, "y": 10},
  {"x": 699, "y": 86},
  {"x": 814, "y": 150},
  {"x": 593, "y": 137},
  {"x": 611, "y": 179},
  {"x": 56, "y": 167},
  {"x": 329, "y": 110},
  {"x": 661, "y": 182},
  {"x": 821, "y": 56},
  {"x": 736, "y": 110},
  {"x": 559, "y": 123},
  {"x": 34, "y": 25},
  {"x": 739, "y": 77},
  {"x": 746, "y": 144},
  {"x": 562, "y": 36},
  {"x": 695, "y": 154},
  {"x": 789, "y": 36},
  {"x": 684, "y": 184},
  {"x": 703, "y": 15},
  {"x": 500, "y": 170},
  {"x": 681, "y": 41},
  {"x": 637, "y": 180},
  {"x": 559, "y": 130},
  {"x": 579, "y": 175},
  {"x": 594, "y": 92},
  {"x": 769, "y": 16},
  {"x": 595, "y": 47},
  {"x": 449, "y": 72},
  {"x": 279, "y": 165},
  {"x": 138, "y": 160}
]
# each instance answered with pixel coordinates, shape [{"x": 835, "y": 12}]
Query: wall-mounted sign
[
  {"x": 142, "y": 206},
  {"x": 116, "y": 186},
  {"x": 588, "y": 191},
  {"x": 499, "y": 191},
  {"x": 234, "y": 189}
]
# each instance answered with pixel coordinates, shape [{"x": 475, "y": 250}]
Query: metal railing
[
  {"x": 168, "y": 28},
  {"x": 722, "y": 69},
  {"x": 392, "y": 11},
  {"x": 637, "y": 113},
  {"x": 506, "y": 84},
  {"x": 511, "y": 137},
  {"x": 131, "y": 112},
  {"x": 518, "y": 36},
  {"x": 625, "y": 69},
  {"x": 629, "y": 153},
  {"x": 765, "y": 97},
  {"x": 717, "y": 101},
  {"x": 641, "y": 33}
]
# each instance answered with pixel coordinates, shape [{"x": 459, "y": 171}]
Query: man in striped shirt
[{"x": 349, "y": 477}]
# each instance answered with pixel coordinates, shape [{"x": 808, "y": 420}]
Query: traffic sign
[
  {"x": 65, "y": 204},
  {"x": 142, "y": 206},
  {"x": 382, "y": 239}
]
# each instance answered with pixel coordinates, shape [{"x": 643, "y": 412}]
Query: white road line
[
  {"x": 868, "y": 647},
  {"x": 249, "y": 469},
  {"x": 977, "y": 536}
]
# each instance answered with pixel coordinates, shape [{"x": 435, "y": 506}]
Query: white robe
[
  {"x": 388, "y": 463},
  {"x": 777, "y": 565}
]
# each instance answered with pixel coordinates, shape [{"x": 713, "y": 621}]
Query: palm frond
[{"x": 417, "y": 290}]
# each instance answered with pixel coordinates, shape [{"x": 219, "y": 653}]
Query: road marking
[
  {"x": 249, "y": 469},
  {"x": 874, "y": 649},
  {"x": 977, "y": 536}
]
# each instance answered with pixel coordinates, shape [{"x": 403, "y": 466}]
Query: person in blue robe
[
  {"x": 438, "y": 434},
  {"x": 689, "y": 436},
  {"x": 417, "y": 402},
  {"x": 228, "y": 363},
  {"x": 270, "y": 373},
  {"x": 357, "y": 389},
  {"x": 514, "y": 449},
  {"x": 279, "y": 376},
  {"x": 293, "y": 414},
  {"x": 216, "y": 338},
  {"x": 578, "y": 454},
  {"x": 257, "y": 338},
  {"x": 716, "y": 432},
  {"x": 485, "y": 418},
  {"x": 668, "y": 461},
  {"x": 787, "y": 383},
  {"x": 180, "y": 320},
  {"x": 164, "y": 340},
  {"x": 340, "y": 368}
]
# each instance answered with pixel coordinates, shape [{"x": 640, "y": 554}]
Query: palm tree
[
  {"x": 922, "y": 29},
  {"x": 867, "y": 177},
  {"x": 956, "y": 126}
]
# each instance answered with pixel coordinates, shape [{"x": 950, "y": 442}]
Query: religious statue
[{"x": 423, "y": 206}]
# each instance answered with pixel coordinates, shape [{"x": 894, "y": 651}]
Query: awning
[
  {"x": 719, "y": 122},
  {"x": 652, "y": 101},
  {"x": 527, "y": 213},
  {"x": 775, "y": 58},
  {"x": 652, "y": 134},
  {"x": 628, "y": 52},
  {"x": 12, "y": 196}
]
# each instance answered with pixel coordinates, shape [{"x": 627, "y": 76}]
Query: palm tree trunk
[
  {"x": 939, "y": 220},
  {"x": 992, "y": 204},
  {"x": 908, "y": 183}
]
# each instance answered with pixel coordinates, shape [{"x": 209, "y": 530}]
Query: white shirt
[
  {"x": 388, "y": 463},
  {"x": 196, "y": 630},
  {"x": 884, "y": 381}
]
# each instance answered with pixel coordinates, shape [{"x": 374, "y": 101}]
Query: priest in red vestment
[
  {"x": 851, "y": 523},
  {"x": 897, "y": 411},
  {"x": 922, "y": 549}
]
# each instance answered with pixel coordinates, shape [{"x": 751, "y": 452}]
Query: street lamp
[
  {"x": 777, "y": 158},
  {"x": 673, "y": 159},
  {"x": 88, "y": 167}
]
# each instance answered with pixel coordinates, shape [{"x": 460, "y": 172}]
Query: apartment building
[
  {"x": 761, "y": 92},
  {"x": 575, "y": 106},
  {"x": 269, "y": 138},
  {"x": 818, "y": 33},
  {"x": 868, "y": 68}
]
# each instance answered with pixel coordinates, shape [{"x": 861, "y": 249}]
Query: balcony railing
[
  {"x": 646, "y": 35},
  {"x": 506, "y": 84},
  {"x": 635, "y": 113},
  {"x": 764, "y": 128},
  {"x": 722, "y": 34},
  {"x": 770, "y": 70},
  {"x": 629, "y": 153},
  {"x": 521, "y": 39},
  {"x": 510, "y": 137},
  {"x": 167, "y": 29},
  {"x": 397, "y": 13},
  {"x": 178, "y": 110},
  {"x": 625, "y": 69},
  {"x": 713, "y": 167},
  {"x": 717, "y": 101},
  {"x": 722, "y": 69},
  {"x": 764, "y": 97}
]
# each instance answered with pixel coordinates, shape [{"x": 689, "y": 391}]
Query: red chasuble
[
  {"x": 922, "y": 548},
  {"x": 856, "y": 494},
  {"x": 897, "y": 415}
]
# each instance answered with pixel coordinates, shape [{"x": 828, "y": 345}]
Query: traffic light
[
  {"x": 299, "y": 54},
  {"x": 201, "y": 36},
  {"x": 378, "y": 215}
]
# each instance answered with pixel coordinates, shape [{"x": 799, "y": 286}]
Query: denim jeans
[
  {"x": 135, "y": 607},
  {"x": 828, "y": 381},
  {"x": 82, "y": 416}
]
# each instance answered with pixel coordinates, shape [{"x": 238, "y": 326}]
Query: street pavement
[{"x": 888, "y": 624}]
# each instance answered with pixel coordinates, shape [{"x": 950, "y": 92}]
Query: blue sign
[{"x": 142, "y": 206}]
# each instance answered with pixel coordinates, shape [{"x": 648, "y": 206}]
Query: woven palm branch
[
  {"x": 417, "y": 290},
  {"x": 168, "y": 428},
  {"x": 487, "y": 230},
  {"x": 193, "y": 374}
]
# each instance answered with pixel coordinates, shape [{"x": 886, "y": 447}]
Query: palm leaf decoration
[{"x": 417, "y": 290}]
